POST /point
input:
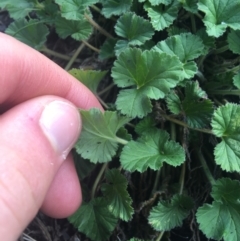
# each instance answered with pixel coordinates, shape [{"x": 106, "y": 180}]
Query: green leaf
[
  {"x": 190, "y": 5},
  {"x": 168, "y": 215},
  {"x": 135, "y": 29},
  {"x": 220, "y": 14},
  {"x": 94, "y": 220},
  {"x": 195, "y": 107},
  {"x": 208, "y": 41},
  {"x": 17, "y": 8},
  {"x": 236, "y": 80},
  {"x": 74, "y": 9},
  {"x": 174, "y": 103},
  {"x": 186, "y": 46},
  {"x": 89, "y": 78},
  {"x": 116, "y": 7},
  {"x": 116, "y": 194},
  {"x": 29, "y": 32},
  {"x": 79, "y": 30},
  {"x": 226, "y": 124},
  {"x": 221, "y": 219},
  {"x": 233, "y": 41},
  {"x": 146, "y": 125},
  {"x": 151, "y": 151},
  {"x": 173, "y": 30},
  {"x": 107, "y": 49},
  {"x": 138, "y": 70},
  {"x": 98, "y": 141},
  {"x": 162, "y": 16},
  {"x": 157, "y": 2}
]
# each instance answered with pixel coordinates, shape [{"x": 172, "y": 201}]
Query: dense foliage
[{"x": 166, "y": 152}]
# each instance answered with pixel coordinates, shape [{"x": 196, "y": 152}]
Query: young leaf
[
  {"x": 190, "y": 5},
  {"x": 186, "y": 46},
  {"x": 116, "y": 7},
  {"x": 146, "y": 125},
  {"x": 94, "y": 220},
  {"x": 196, "y": 108},
  {"x": 157, "y": 2},
  {"x": 226, "y": 124},
  {"x": 221, "y": 219},
  {"x": 115, "y": 191},
  {"x": 17, "y": 8},
  {"x": 98, "y": 141},
  {"x": 72, "y": 9},
  {"x": 79, "y": 30},
  {"x": 151, "y": 151},
  {"x": 236, "y": 80},
  {"x": 220, "y": 14},
  {"x": 107, "y": 49},
  {"x": 138, "y": 69},
  {"x": 233, "y": 41},
  {"x": 168, "y": 215},
  {"x": 29, "y": 32},
  {"x": 162, "y": 16},
  {"x": 89, "y": 78},
  {"x": 135, "y": 29}
]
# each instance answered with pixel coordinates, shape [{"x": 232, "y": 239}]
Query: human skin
[{"x": 36, "y": 168}]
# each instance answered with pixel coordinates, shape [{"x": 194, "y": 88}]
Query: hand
[{"x": 39, "y": 125}]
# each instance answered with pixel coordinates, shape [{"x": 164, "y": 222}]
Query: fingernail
[{"x": 61, "y": 123}]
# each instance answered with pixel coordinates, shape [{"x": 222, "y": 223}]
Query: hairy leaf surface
[
  {"x": 29, "y": 32},
  {"x": 168, "y": 215},
  {"x": 115, "y": 191},
  {"x": 220, "y": 14},
  {"x": 226, "y": 124},
  {"x": 220, "y": 219},
  {"x": 98, "y": 141},
  {"x": 94, "y": 220},
  {"x": 138, "y": 70},
  {"x": 151, "y": 151}
]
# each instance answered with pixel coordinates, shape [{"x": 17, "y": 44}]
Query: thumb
[{"x": 36, "y": 136}]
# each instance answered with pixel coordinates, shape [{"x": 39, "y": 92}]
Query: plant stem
[
  {"x": 205, "y": 168},
  {"x": 106, "y": 89},
  {"x": 182, "y": 177},
  {"x": 72, "y": 60},
  {"x": 98, "y": 27},
  {"x": 185, "y": 125},
  {"x": 99, "y": 176},
  {"x": 194, "y": 29},
  {"x": 160, "y": 236},
  {"x": 90, "y": 46},
  {"x": 224, "y": 92},
  {"x": 156, "y": 181},
  {"x": 173, "y": 131},
  {"x": 221, "y": 50},
  {"x": 56, "y": 54},
  {"x": 121, "y": 141}
]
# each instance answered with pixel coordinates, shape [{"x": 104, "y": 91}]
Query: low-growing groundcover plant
[{"x": 163, "y": 161}]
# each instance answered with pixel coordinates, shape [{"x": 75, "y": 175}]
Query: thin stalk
[
  {"x": 56, "y": 54},
  {"x": 205, "y": 168},
  {"x": 182, "y": 178},
  {"x": 221, "y": 50},
  {"x": 72, "y": 60},
  {"x": 194, "y": 29},
  {"x": 99, "y": 28},
  {"x": 160, "y": 236},
  {"x": 224, "y": 92},
  {"x": 90, "y": 46},
  {"x": 121, "y": 141},
  {"x": 156, "y": 181},
  {"x": 99, "y": 176},
  {"x": 173, "y": 131},
  {"x": 186, "y": 125},
  {"x": 106, "y": 89}
]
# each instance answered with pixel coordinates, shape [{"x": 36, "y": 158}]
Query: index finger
[{"x": 26, "y": 73}]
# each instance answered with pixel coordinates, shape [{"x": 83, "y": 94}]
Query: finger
[
  {"x": 25, "y": 73},
  {"x": 64, "y": 195},
  {"x": 36, "y": 136}
]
